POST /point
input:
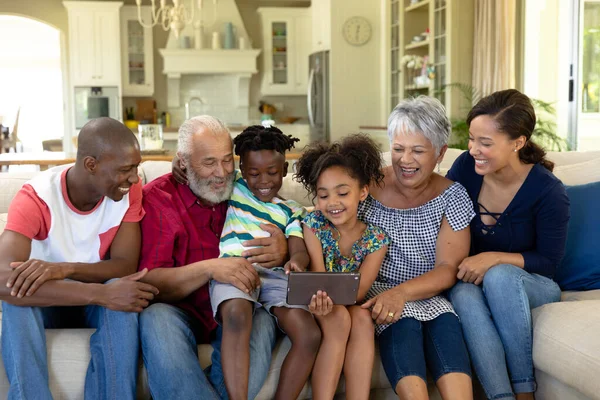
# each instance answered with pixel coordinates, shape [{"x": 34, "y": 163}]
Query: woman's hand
[
  {"x": 178, "y": 171},
  {"x": 387, "y": 307},
  {"x": 472, "y": 269},
  {"x": 320, "y": 304}
]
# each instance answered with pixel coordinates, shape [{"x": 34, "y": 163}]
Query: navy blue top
[{"x": 534, "y": 223}]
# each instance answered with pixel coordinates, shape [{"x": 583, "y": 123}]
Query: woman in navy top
[{"x": 517, "y": 240}]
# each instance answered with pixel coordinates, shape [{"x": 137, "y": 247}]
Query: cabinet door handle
[{"x": 100, "y": 77}]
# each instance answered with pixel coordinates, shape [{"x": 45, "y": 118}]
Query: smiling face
[
  {"x": 414, "y": 159},
  {"x": 116, "y": 172},
  {"x": 263, "y": 171},
  {"x": 338, "y": 195},
  {"x": 492, "y": 150},
  {"x": 210, "y": 167}
]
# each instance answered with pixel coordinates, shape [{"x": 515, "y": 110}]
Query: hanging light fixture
[{"x": 173, "y": 16}]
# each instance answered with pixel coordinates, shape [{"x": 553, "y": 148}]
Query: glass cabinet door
[
  {"x": 279, "y": 46},
  {"x": 136, "y": 53}
]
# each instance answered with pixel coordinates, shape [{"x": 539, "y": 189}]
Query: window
[{"x": 590, "y": 77}]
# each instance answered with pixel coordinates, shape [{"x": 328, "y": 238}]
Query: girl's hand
[
  {"x": 178, "y": 171},
  {"x": 472, "y": 269},
  {"x": 320, "y": 304},
  {"x": 387, "y": 307}
]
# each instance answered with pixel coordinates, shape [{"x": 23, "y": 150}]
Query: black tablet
[{"x": 342, "y": 287}]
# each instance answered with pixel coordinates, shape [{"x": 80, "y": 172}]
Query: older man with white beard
[{"x": 180, "y": 246}]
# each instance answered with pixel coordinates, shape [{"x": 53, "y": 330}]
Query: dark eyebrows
[{"x": 337, "y": 187}]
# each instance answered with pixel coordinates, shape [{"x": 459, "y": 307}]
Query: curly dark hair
[
  {"x": 358, "y": 154},
  {"x": 258, "y": 137}
]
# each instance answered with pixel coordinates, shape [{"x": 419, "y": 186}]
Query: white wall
[{"x": 355, "y": 70}]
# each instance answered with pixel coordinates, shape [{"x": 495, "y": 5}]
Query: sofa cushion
[
  {"x": 10, "y": 183},
  {"x": 566, "y": 344},
  {"x": 580, "y": 267},
  {"x": 579, "y": 173}
]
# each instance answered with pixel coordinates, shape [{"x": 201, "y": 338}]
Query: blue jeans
[
  {"x": 114, "y": 349},
  {"x": 408, "y": 347},
  {"x": 496, "y": 321},
  {"x": 170, "y": 352}
]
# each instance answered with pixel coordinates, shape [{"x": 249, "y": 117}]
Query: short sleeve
[
  {"x": 377, "y": 239},
  {"x": 458, "y": 207},
  {"x": 29, "y": 215},
  {"x": 315, "y": 222},
  {"x": 294, "y": 225},
  {"x": 135, "y": 212}
]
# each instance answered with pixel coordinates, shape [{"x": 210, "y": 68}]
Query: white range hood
[{"x": 238, "y": 64}]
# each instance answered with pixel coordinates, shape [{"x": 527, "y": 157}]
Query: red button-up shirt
[{"x": 179, "y": 230}]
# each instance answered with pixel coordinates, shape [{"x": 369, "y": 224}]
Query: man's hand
[
  {"x": 178, "y": 171},
  {"x": 472, "y": 269},
  {"x": 320, "y": 304},
  {"x": 236, "y": 271},
  {"x": 271, "y": 251},
  {"x": 387, "y": 307},
  {"x": 127, "y": 294},
  {"x": 28, "y": 276}
]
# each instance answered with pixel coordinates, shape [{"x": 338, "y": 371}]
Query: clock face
[{"x": 357, "y": 31}]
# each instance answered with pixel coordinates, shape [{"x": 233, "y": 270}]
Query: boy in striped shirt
[{"x": 255, "y": 201}]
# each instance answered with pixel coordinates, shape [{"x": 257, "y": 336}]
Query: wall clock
[{"x": 357, "y": 30}]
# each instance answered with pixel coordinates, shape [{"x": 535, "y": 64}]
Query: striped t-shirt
[{"x": 245, "y": 214}]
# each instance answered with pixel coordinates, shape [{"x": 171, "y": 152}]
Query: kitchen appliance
[
  {"x": 318, "y": 96},
  {"x": 95, "y": 102}
]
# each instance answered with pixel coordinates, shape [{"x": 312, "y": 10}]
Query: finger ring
[{"x": 391, "y": 314}]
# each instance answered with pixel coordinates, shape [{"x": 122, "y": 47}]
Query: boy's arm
[{"x": 299, "y": 258}]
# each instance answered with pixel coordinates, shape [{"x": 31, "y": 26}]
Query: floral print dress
[{"x": 373, "y": 239}]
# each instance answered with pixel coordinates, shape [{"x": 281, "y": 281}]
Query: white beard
[{"x": 201, "y": 187}]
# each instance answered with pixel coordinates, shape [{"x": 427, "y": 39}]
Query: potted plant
[{"x": 544, "y": 133}]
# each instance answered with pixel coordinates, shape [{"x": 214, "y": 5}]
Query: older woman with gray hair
[{"x": 427, "y": 218}]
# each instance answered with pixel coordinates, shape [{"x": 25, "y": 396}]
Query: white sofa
[{"x": 566, "y": 334}]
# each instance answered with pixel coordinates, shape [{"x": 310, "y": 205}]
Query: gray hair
[
  {"x": 423, "y": 114},
  {"x": 191, "y": 127}
]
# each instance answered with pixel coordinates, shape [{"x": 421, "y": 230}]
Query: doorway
[
  {"x": 31, "y": 81},
  {"x": 584, "y": 116}
]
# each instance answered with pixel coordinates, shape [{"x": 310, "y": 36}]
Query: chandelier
[{"x": 173, "y": 16}]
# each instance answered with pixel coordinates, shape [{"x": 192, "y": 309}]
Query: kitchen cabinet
[
  {"x": 137, "y": 61},
  {"x": 286, "y": 47},
  {"x": 94, "y": 41},
  {"x": 321, "y": 25}
]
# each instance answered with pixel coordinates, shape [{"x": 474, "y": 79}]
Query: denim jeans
[
  {"x": 114, "y": 349},
  {"x": 496, "y": 321},
  {"x": 170, "y": 352},
  {"x": 409, "y": 347}
]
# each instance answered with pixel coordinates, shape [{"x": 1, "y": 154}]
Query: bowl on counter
[{"x": 288, "y": 120}]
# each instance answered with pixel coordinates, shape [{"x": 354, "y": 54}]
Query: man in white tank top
[{"x": 71, "y": 231}]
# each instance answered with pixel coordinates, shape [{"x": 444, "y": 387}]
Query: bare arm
[
  {"x": 299, "y": 259},
  {"x": 29, "y": 274},
  {"x": 320, "y": 303},
  {"x": 451, "y": 248},
  {"x": 175, "y": 284},
  {"x": 124, "y": 256},
  {"x": 123, "y": 295}
]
